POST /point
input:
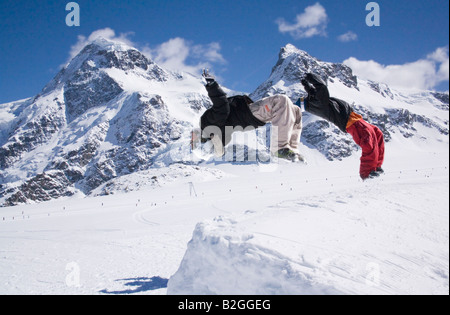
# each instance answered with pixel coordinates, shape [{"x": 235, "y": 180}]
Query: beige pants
[{"x": 283, "y": 114}]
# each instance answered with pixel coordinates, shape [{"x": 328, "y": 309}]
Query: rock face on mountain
[
  {"x": 112, "y": 112},
  {"x": 291, "y": 68}
]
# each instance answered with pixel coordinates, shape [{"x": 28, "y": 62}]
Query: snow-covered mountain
[
  {"x": 112, "y": 112},
  {"x": 394, "y": 111},
  {"x": 106, "y": 114}
]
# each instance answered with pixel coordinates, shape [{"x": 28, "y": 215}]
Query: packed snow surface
[{"x": 243, "y": 228}]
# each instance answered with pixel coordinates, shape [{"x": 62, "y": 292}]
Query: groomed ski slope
[{"x": 244, "y": 229}]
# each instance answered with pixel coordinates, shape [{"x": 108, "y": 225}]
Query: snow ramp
[{"x": 388, "y": 236}]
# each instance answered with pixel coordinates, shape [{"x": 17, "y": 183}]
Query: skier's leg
[
  {"x": 296, "y": 130},
  {"x": 380, "y": 144},
  {"x": 281, "y": 112}
]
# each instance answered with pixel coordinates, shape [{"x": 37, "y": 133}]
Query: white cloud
[
  {"x": 210, "y": 52},
  {"x": 182, "y": 55},
  {"x": 107, "y": 33},
  {"x": 425, "y": 73},
  {"x": 348, "y": 37},
  {"x": 176, "y": 54},
  {"x": 312, "y": 22},
  {"x": 440, "y": 56}
]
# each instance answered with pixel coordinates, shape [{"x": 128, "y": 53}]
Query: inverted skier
[
  {"x": 367, "y": 136},
  {"x": 227, "y": 113}
]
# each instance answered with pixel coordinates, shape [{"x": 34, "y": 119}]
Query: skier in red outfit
[{"x": 367, "y": 136}]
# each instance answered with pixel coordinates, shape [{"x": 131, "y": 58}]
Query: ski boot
[{"x": 288, "y": 154}]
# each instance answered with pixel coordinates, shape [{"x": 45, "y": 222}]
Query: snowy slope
[
  {"x": 340, "y": 241},
  {"x": 286, "y": 229},
  {"x": 318, "y": 229}
]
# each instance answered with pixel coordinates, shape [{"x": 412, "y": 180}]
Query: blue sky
[{"x": 239, "y": 40}]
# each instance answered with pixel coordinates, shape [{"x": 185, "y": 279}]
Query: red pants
[{"x": 371, "y": 140}]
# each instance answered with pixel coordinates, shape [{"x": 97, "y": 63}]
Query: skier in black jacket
[{"x": 218, "y": 122}]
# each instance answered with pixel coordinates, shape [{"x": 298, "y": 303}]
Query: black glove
[
  {"x": 208, "y": 78},
  {"x": 309, "y": 88}
]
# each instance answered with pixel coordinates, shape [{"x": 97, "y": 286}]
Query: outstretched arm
[{"x": 220, "y": 110}]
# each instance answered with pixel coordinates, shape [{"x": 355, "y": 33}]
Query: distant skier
[
  {"x": 218, "y": 122},
  {"x": 368, "y": 137}
]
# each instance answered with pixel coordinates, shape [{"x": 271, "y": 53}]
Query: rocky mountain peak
[
  {"x": 85, "y": 81},
  {"x": 106, "y": 114},
  {"x": 292, "y": 66}
]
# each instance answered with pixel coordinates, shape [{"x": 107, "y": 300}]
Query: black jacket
[
  {"x": 321, "y": 104},
  {"x": 233, "y": 112}
]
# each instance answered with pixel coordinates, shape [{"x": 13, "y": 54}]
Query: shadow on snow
[{"x": 139, "y": 285}]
